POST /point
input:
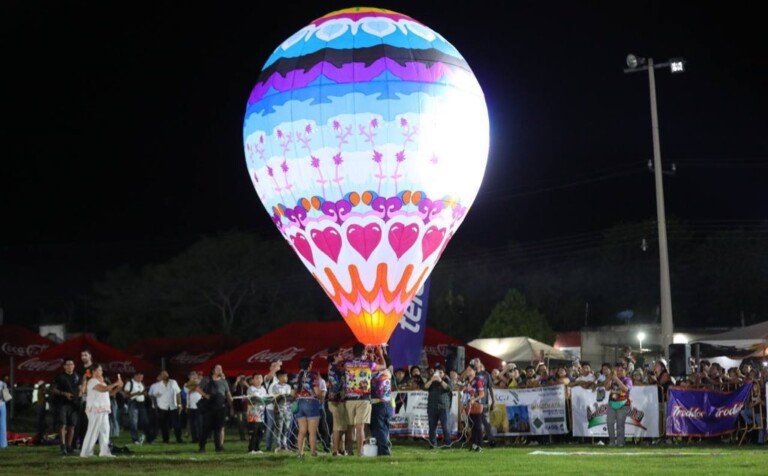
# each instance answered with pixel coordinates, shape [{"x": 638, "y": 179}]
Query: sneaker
[
  {"x": 252, "y": 452},
  {"x": 600, "y": 443},
  {"x": 107, "y": 456},
  {"x": 141, "y": 440},
  {"x": 64, "y": 452},
  {"x": 258, "y": 452}
]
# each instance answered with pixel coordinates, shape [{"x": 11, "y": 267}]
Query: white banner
[
  {"x": 529, "y": 411},
  {"x": 589, "y": 414},
  {"x": 410, "y": 418}
]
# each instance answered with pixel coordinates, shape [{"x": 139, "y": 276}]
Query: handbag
[
  {"x": 7, "y": 394},
  {"x": 475, "y": 408}
]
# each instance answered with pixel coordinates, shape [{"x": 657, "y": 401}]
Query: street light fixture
[
  {"x": 675, "y": 65},
  {"x": 640, "y": 339}
]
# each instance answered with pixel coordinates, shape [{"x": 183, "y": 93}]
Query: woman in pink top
[{"x": 98, "y": 408}]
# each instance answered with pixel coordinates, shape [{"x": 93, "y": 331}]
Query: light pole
[{"x": 635, "y": 64}]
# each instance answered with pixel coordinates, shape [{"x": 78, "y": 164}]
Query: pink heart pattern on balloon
[
  {"x": 328, "y": 241},
  {"x": 431, "y": 241},
  {"x": 402, "y": 237},
  {"x": 364, "y": 239},
  {"x": 303, "y": 247}
]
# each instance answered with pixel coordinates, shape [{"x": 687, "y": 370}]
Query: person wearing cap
[
  {"x": 440, "y": 394},
  {"x": 619, "y": 385}
]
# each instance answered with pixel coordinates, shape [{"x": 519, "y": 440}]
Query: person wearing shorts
[
  {"x": 336, "y": 398},
  {"x": 358, "y": 373},
  {"x": 309, "y": 391},
  {"x": 66, "y": 404}
]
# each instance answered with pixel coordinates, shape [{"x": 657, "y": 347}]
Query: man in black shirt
[
  {"x": 66, "y": 404},
  {"x": 440, "y": 390}
]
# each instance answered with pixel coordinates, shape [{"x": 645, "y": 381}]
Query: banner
[
  {"x": 529, "y": 411},
  {"x": 410, "y": 418},
  {"x": 590, "y": 414},
  {"x": 700, "y": 412},
  {"x": 408, "y": 338}
]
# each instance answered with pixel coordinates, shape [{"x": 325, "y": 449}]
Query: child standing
[
  {"x": 257, "y": 396},
  {"x": 281, "y": 392}
]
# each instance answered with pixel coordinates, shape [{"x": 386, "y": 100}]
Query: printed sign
[{"x": 590, "y": 414}]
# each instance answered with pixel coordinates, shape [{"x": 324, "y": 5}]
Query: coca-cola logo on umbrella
[
  {"x": 186, "y": 358},
  {"x": 124, "y": 366},
  {"x": 267, "y": 355},
  {"x": 36, "y": 365},
  {"x": 22, "y": 350}
]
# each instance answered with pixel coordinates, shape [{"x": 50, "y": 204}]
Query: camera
[{"x": 600, "y": 394}]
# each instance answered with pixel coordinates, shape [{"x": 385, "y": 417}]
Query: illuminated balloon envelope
[{"x": 366, "y": 138}]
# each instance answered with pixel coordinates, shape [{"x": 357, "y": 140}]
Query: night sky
[{"x": 122, "y": 135}]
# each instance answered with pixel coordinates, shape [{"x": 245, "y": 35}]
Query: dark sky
[{"x": 122, "y": 133}]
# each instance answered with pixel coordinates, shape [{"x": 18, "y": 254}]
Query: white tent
[
  {"x": 754, "y": 337},
  {"x": 518, "y": 349}
]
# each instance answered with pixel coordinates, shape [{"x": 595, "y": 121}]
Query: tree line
[{"x": 245, "y": 285}]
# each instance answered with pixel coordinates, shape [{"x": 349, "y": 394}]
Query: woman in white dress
[{"x": 98, "y": 408}]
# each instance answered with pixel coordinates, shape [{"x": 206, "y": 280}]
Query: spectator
[
  {"x": 135, "y": 393},
  {"x": 194, "y": 416},
  {"x": 586, "y": 379},
  {"x": 401, "y": 380},
  {"x": 3, "y": 420},
  {"x": 269, "y": 415},
  {"x": 257, "y": 396},
  {"x": 166, "y": 395},
  {"x": 638, "y": 377},
  {"x": 626, "y": 356},
  {"x": 416, "y": 381},
  {"x": 66, "y": 405},
  {"x": 281, "y": 409},
  {"x": 474, "y": 391},
  {"x": 605, "y": 371},
  {"x": 514, "y": 378},
  {"x": 97, "y": 409},
  {"x": 619, "y": 403},
  {"x": 336, "y": 398},
  {"x": 215, "y": 396},
  {"x": 662, "y": 377},
  {"x": 310, "y": 391},
  {"x": 440, "y": 394},
  {"x": 240, "y": 404},
  {"x": 531, "y": 380}
]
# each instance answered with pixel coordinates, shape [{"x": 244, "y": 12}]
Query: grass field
[{"x": 409, "y": 458}]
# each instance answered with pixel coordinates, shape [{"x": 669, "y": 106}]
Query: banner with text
[
  {"x": 529, "y": 411},
  {"x": 410, "y": 417},
  {"x": 590, "y": 414},
  {"x": 407, "y": 340},
  {"x": 700, "y": 412}
]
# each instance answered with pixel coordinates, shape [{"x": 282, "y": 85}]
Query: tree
[
  {"x": 514, "y": 317},
  {"x": 233, "y": 283}
]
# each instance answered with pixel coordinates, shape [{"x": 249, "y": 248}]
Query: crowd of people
[{"x": 336, "y": 403}]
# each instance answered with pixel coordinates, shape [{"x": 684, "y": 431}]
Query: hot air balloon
[{"x": 366, "y": 139}]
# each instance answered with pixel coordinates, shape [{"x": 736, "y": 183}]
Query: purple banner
[
  {"x": 408, "y": 339},
  {"x": 700, "y": 412}
]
